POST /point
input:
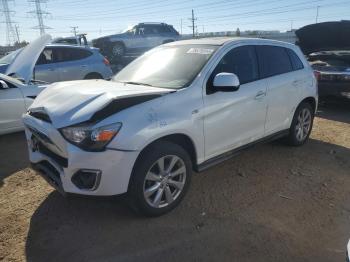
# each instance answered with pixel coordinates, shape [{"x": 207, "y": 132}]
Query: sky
[{"x": 99, "y": 18}]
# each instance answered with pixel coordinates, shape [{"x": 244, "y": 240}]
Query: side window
[
  {"x": 151, "y": 29},
  {"x": 164, "y": 29},
  {"x": 46, "y": 57},
  {"x": 273, "y": 60},
  {"x": 296, "y": 62},
  {"x": 240, "y": 61},
  {"x": 70, "y": 54}
]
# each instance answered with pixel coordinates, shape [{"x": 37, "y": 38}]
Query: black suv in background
[{"x": 136, "y": 40}]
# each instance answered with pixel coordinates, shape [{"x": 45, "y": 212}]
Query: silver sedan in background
[{"x": 59, "y": 62}]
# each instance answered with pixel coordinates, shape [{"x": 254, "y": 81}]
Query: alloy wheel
[
  {"x": 303, "y": 124},
  {"x": 164, "y": 181}
]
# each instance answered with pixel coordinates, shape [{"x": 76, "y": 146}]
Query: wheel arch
[
  {"x": 91, "y": 74},
  {"x": 179, "y": 139},
  {"x": 310, "y": 100}
]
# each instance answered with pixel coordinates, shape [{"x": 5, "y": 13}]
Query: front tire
[
  {"x": 160, "y": 179},
  {"x": 301, "y": 126}
]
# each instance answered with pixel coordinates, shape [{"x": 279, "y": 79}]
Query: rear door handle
[
  {"x": 296, "y": 83},
  {"x": 260, "y": 95}
]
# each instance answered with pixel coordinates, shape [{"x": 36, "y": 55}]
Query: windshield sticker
[{"x": 202, "y": 51}]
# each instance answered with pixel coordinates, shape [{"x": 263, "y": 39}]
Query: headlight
[{"x": 89, "y": 138}]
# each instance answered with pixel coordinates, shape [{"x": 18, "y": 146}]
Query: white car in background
[
  {"x": 181, "y": 106},
  {"x": 17, "y": 90}
]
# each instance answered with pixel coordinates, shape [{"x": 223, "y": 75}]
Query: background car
[
  {"x": 136, "y": 40},
  {"x": 59, "y": 62},
  {"x": 17, "y": 89},
  {"x": 79, "y": 39},
  {"x": 327, "y": 47}
]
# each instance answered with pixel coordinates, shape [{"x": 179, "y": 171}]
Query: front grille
[
  {"x": 40, "y": 115},
  {"x": 57, "y": 158}
]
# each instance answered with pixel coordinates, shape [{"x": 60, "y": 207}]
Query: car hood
[
  {"x": 325, "y": 36},
  {"x": 23, "y": 65},
  {"x": 73, "y": 102}
]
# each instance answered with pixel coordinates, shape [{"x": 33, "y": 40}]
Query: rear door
[
  {"x": 72, "y": 63},
  {"x": 45, "y": 68},
  {"x": 276, "y": 67}
]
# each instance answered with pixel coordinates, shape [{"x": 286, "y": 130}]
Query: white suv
[{"x": 180, "y": 107}]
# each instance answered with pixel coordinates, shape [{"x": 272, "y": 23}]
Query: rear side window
[
  {"x": 70, "y": 54},
  {"x": 240, "y": 61},
  {"x": 296, "y": 62},
  {"x": 273, "y": 60},
  {"x": 46, "y": 57}
]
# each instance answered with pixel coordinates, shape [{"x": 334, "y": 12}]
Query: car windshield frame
[{"x": 164, "y": 57}]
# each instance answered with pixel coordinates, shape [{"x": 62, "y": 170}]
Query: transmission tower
[
  {"x": 10, "y": 32},
  {"x": 39, "y": 14}
]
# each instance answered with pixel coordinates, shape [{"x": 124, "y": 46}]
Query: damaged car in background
[
  {"x": 17, "y": 89},
  {"x": 62, "y": 62},
  {"x": 327, "y": 47},
  {"x": 181, "y": 106}
]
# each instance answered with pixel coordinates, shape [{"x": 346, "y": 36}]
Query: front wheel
[
  {"x": 301, "y": 126},
  {"x": 160, "y": 179}
]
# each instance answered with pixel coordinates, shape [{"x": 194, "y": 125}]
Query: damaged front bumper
[{"x": 70, "y": 169}]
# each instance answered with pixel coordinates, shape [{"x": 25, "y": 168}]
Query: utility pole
[
  {"x": 181, "y": 26},
  {"x": 193, "y": 19},
  {"x": 318, "y": 7},
  {"x": 39, "y": 14},
  {"x": 10, "y": 32},
  {"x": 74, "y": 30}
]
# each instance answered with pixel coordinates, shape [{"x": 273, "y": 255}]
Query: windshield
[
  {"x": 9, "y": 58},
  {"x": 167, "y": 66}
]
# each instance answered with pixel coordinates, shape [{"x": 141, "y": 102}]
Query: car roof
[{"x": 219, "y": 41}]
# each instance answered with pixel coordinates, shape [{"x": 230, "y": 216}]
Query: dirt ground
[{"x": 271, "y": 203}]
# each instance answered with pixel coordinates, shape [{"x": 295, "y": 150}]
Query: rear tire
[
  {"x": 301, "y": 126},
  {"x": 160, "y": 179}
]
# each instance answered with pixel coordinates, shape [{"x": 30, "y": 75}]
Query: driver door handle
[{"x": 260, "y": 95}]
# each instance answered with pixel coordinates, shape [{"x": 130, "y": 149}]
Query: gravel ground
[{"x": 270, "y": 203}]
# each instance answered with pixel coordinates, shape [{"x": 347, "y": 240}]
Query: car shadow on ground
[
  {"x": 335, "y": 109},
  {"x": 13, "y": 154},
  {"x": 228, "y": 215}
]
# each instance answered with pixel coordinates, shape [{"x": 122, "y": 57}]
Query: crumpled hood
[
  {"x": 325, "y": 36},
  {"x": 73, "y": 102},
  {"x": 23, "y": 64}
]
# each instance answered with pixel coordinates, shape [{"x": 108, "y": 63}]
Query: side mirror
[
  {"x": 3, "y": 85},
  {"x": 226, "y": 82}
]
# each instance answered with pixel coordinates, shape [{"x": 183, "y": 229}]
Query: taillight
[
  {"x": 106, "y": 62},
  {"x": 317, "y": 75}
]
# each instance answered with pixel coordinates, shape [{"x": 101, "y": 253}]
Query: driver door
[
  {"x": 12, "y": 106},
  {"x": 233, "y": 119}
]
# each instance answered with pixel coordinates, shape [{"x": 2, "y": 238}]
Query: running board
[{"x": 225, "y": 156}]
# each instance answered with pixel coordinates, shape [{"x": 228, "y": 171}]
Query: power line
[
  {"x": 39, "y": 14},
  {"x": 10, "y": 32}
]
